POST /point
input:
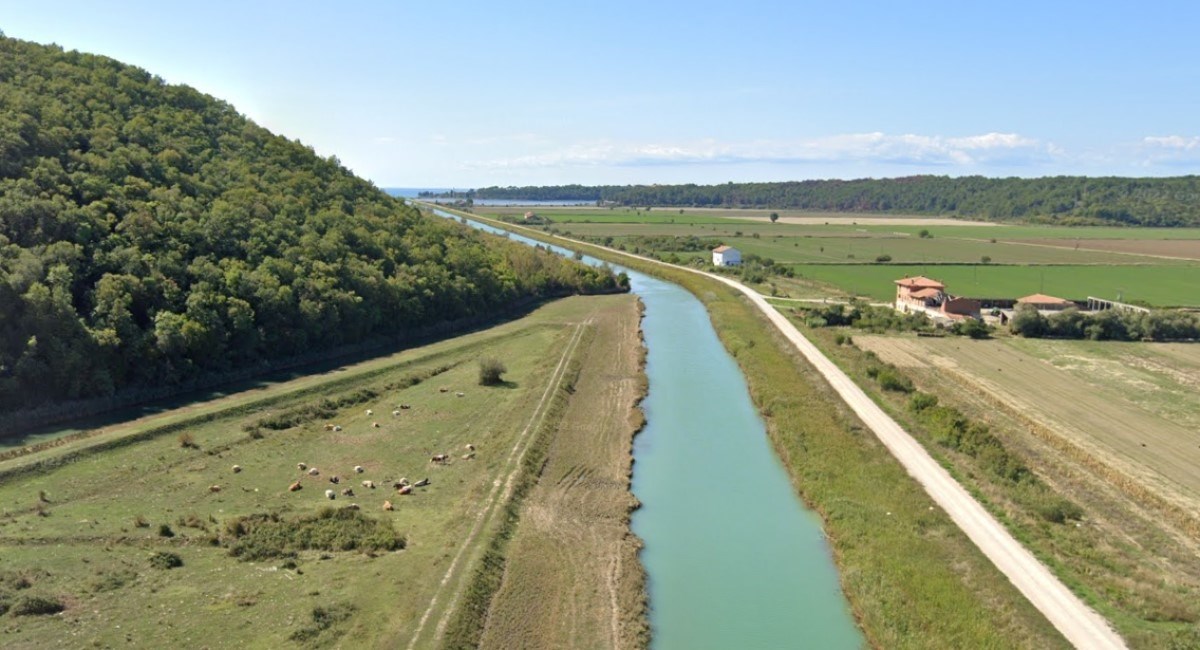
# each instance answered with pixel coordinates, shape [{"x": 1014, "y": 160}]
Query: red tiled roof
[
  {"x": 928, "y": 292},
  {"x": 920, "y": 282},
  {"x": 722, "y": 248},
  {"x": 1042, "y": 299}
]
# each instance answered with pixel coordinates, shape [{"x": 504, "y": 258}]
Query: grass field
[
  {"x": 81, "y": 523},
  {"x": 1112, "y": 427},
  {"x": 1157, "y": 285}
]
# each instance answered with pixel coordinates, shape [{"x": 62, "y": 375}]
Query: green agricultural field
[
  {"x": 93, "y": 525},
  {"x": 569, "y": 214},
  {"x": 1160, "y": 286}
]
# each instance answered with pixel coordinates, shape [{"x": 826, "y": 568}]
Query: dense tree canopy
[
  {"x": 1059, "y": 199},
  {"x": 151, "y": 234}
]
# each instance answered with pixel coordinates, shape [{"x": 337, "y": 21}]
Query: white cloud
[
  {"x": 906, "y": 149},
  {"x": 1170, "y": 150}
]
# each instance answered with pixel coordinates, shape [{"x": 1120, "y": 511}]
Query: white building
[{"x": 726, "y": 256}]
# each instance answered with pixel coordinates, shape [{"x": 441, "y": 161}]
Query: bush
[
  {"x": 37, "y": 606},
  {"x": 921, "y": 401},
  {"x": 164, "y": 530},
  {"x": 882, "y": 259},
  {"x": 1058, "y": 510},
  {"x": 266, "y": 536},
  {"x": 971, "y": 327},
  {"x": 165, "y": 560},
  {"x": 891, "y": 380},
  {"x": 491, "y": 371},
  {"x": 323, "y": 618},
  {"x": 186, "y": 441}
]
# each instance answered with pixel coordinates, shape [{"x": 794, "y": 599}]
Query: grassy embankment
[
  {"x": 912, "y": 578},
  {"x": 143, "y": 534},
  {"x": 1126, "y": 544}
]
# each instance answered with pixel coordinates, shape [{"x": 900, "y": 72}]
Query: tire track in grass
[{"x": 495, "y": 497}]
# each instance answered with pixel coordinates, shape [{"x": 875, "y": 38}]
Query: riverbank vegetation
[
  {"x": 151, "y": 235},
  {"x": 138, "y": 528}
]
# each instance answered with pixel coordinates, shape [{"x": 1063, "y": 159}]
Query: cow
[
  {"x": 370, "y": 412},
  {"x": 214, "y": 488},
  {"x": 301, "y": 466},
  {"x": 395, "y": 413},
  {"x": 237, "y": 468},
  {"x": 329, "y": 494},
  {"x": 405, "y": 407},
  {"x": 407, "y": 489},
  {"x": 314, "y": 472},
  {"x": 335, "y": 479},
  {"x": 469, "y": 456},
  {"x": 337, "y": 427},
  {"x": 369, "y": 484},
  {"x": 443, "y": 389},
  {"x": 374, "y": 425},
  {"x": 347, "y": 492},
  {"x": 439, "y": 458},
  {"x": 421, "y": 483},
  {"x": 401, "y": 483},
  {"x": 387, "y": 505},
  {"x": 295, "y": 486},
  {"x": 358, "y": 469},
  {"x": 328, "y": 427},
  {"x": 459, "y": 394},
  {"x": 470, "y": 447}
]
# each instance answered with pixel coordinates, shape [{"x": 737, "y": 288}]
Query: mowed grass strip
[
  {"x": 86, "y": 534},
  {"x": 572, "y": 578},
  {"x": 912, "y": 577}
]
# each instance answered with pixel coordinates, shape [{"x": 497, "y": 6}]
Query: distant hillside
[
  {"x": 1064, "y": 200},
  {"x": 150, "y": 235}
]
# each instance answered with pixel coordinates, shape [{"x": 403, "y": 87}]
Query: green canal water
[{"x": 733, "y": 558}]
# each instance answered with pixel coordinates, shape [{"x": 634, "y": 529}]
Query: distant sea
[{"x": 412, "y": 192}]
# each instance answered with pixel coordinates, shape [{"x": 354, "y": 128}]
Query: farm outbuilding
[
  {"x": 1042, "y": 302},
  {"x": 726, "y": 256}
]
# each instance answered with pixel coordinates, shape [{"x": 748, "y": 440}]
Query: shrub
[
  {"x": 164, "y": 530},
  {"x": 165, "y": 560},
  {"x": 323, "y": 618},
  {"x": 186, "y": 441},
  {"x": 491, "y": 371},
  {"x": 891, "y": 380},
  {"x": 921, "y": 401},
  {"x": 37, "y": 606},
  {"x": 882, "y": 259},
  {"x": 1058, "y": 510},
  {"x": 266, "y": 536}
]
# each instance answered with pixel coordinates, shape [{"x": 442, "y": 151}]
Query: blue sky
[{"x": 465, "y": 94}]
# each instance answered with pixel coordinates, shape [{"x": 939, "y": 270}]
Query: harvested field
[
  {"x": 1134, "y": 410},
  {"x": 572, "y": 577},
  {"x": 833, "y": 218},
  {"x": 93, "y": 523},
  {"x": 1188, "y": 249}
]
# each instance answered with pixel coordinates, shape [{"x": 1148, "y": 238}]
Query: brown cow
[
  {"x": 405, "y": 489},
  {"x": 295, "y": 486},
  {"x": 387, "y": 505},
  {"x": 439, "y": 458}
]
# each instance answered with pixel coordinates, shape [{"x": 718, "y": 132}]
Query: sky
[{"x": 469, "y": 94}]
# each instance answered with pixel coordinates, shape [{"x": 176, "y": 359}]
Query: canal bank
[{"x": 732, "y": 557}]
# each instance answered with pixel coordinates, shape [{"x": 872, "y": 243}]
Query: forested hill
[
  {"x": 150, "y": 235},
  {"x": 1058, "y": 199}
]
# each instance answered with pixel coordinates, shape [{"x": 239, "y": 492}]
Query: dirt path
[
  {"x": 495, "y": 497},
  {"x": 572, "y": 559}
]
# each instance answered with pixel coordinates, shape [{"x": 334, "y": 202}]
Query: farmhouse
[
  {"x": 1042, "y": 302},
  {"x": 726, "y": 256},
  {"x": 924, "y": 295}
]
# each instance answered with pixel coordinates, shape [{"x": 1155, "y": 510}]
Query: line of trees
[
  {"x": 1068, "y": 200},
  {"x": 150, "y": 235},
  {"x": 1108, "y": 325}
]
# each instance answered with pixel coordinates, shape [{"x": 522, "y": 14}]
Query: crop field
[
  {"x": 1157, "y": 266},
  {"x": 1135, "y": 405},
  {"x": 146, "y": 534}
]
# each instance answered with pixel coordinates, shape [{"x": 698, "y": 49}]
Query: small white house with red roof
[{"x": 726, "y": 256}]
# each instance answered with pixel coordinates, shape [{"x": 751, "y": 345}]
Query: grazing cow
[
  {"x": 329, "y": 494},
  {"x": 369, "y": 484},
  {"x": 459, "y": 394},
  {"x": 301, "y": 466},
  {"x": 421, "y": 483},
  {"x": 214, "y": 488},
  {"x": 337, "y": 427},
  {"x": 401, "y": 483},
  {"x": 470, "y": 447},
  {"x": 374, "y": 425},
  {"x": 404, "y": 407},
  {"x": 295, "y": 486},
  {"x": 439, "y": 458},
  {"x": 237, "y": 468},
  {"x": 469, "y": 456},
  {"x": 370, "y": 412},
  {"x": 314, "y": 472},
  {"x": 387, "y": 505},
  {"x": 347, "y": 492},
  {"x": 335, "y": 479},
  {"x": 443, "y": 389},
  {"x": 358, "y": 469},
  {"x": 407, "y": 489},
  {"x": 395, "y": 413}
]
